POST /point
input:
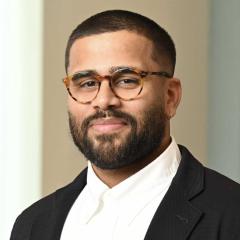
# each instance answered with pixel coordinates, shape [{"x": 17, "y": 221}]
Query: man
[{"x": 139, "y": 183}]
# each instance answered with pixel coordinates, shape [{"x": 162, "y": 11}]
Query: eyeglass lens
[{"x": 125, "y": 83}]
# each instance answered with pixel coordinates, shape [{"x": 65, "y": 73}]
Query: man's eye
[
  {"x": 86, "y": 84},
  {"x": 127, "y": 82}
]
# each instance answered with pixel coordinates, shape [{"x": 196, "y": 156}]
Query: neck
[{"x": 112, "y": 177}]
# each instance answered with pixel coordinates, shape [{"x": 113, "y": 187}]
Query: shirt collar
[{"x": 155, "y": 173}]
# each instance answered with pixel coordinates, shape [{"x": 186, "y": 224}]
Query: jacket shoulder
[
  {"x": 42, "y": 212},
  {"x": 210, "y": 182},
  {"x": 216, "y": 196},
  {"x": 220, "y": 201},
  {"x": 223, "y": 189},
  {"x": 23, "y": 224}
]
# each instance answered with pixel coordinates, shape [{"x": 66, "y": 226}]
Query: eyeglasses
[{"x": 126, "y": 83}]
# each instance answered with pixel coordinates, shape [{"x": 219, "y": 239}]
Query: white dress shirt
[{"x": 126, "y": 210}]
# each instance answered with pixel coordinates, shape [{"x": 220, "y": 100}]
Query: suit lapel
[{"x": 176, "y": 217}]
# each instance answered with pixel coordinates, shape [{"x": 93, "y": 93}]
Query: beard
[{"x": 145, "y": 136}]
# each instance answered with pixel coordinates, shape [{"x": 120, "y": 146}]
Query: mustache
[{"x": 108, "y": 113}]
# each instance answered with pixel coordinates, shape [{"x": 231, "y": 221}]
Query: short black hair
[{"x": 116, "y": 20}]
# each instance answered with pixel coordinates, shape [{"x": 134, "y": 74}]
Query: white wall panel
[{"x": 20, "y": 107}]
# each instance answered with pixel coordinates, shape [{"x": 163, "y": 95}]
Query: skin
[{"x": 122, "y": 48}]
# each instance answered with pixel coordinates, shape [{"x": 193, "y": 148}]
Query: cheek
[
  {"x": 137, "y": 109},
  {"x": 78, "y": 111},
  {"x": 153, "y": 98},
  {"x": 158, "y": 97},
  {"x": 72, "y": 108},
  {"x": 151, "y": 106}
]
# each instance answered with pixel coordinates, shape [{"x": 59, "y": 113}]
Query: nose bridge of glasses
[
  {"x": 105, "y": 95},
  {"x": 100, "y": 78}
]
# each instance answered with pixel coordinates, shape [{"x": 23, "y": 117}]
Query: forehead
[{"x": 102, "y": 51}]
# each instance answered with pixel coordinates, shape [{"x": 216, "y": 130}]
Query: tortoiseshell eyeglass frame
[{"x": 142, "y": 74}]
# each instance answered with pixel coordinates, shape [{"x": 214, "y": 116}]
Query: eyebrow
[
  {"x": 116, "y": 68},
  {"x": 111, "y": 69}
]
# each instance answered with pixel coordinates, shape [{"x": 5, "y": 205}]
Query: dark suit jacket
[{"x": 200, "y": 204}]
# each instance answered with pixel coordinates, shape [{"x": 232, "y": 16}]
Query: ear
[{"x": 173, "y": 96}]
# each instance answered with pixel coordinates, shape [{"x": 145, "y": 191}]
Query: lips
[{"x": 108, "y": 125}]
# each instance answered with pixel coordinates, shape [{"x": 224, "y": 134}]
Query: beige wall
[{"x": 186, "y": 21}]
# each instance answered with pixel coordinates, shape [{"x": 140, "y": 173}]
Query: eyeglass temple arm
[{"x": 161, "y": 74}]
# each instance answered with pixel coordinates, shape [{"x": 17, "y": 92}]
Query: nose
[{"x": 105, "y": 98}]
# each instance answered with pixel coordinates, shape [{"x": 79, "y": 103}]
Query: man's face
[{"x": 111, "y": 132}]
